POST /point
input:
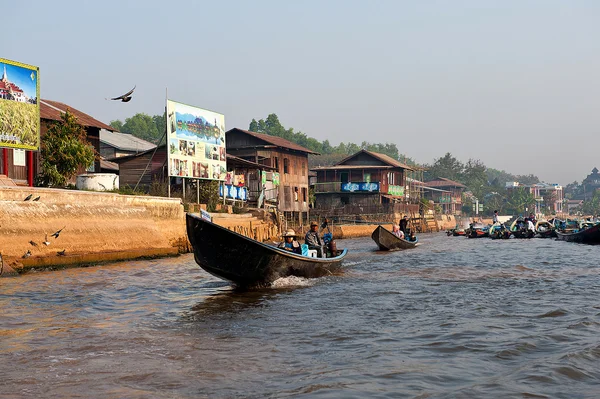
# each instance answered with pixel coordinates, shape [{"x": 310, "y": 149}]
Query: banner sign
[
  {"x": 396, "y": 190},
  {"x": 234, "y": 192},
  {"x": 196, "y": 140},
  {"x": 19, "y": 105},
  {"x": 360, "y": 187}
]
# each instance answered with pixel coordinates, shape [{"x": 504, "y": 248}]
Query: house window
[
  {"x": 367, "y": 177},
  {"x": 303, "y": 167},
  {"x": 286, "y": 165},
  {"x": 276, "y": 163},
  {"x": 287, "y": 196},
  {"x": 296, "y": 194},
  {"x": 304, "y": 194},
  {"x": 345, "y": 200}
]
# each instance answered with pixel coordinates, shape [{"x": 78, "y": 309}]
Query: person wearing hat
[
  {"x": 404, "y": 225},
  {"x": 290, "y": 243},
  {"x": 313, "y": 240}
]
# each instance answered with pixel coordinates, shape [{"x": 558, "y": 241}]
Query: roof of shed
[
  {"x": 125, "y": 141},
  {"x": 276, "y": 141},
  {"x": 51, "y": 110}
]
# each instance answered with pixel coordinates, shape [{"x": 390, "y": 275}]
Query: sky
[{"x": 515, "y": 84}]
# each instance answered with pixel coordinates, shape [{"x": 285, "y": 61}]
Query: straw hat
[{"x": 290, "y": 233}]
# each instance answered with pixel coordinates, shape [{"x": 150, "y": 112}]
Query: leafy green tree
[
  {"x": 474, "y": 176},
  {"x": 117, "y": 125},
  {"x": 143, "y": 126},
  {"x": 160, "y": 121},
  {"x": 520, "y": 201},
  {"x": 447, "y": 166},
  {"x": 591, "y": 206},
  {"x": 65, "y": 150}
]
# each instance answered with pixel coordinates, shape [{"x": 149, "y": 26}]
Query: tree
[
  {"x": 520, "y": 201},
  {"x": 142, "y": 126},
  {"x": 65, "y": 150},
  {"x": 447, "y": 167},
  {"x": 160, "y": 121},
  {"x": 117, "y": 125},
  {"x": 475, "y": 177}
]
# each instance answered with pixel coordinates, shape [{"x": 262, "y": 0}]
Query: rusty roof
[
  {"x": 51, "y": 110},
  {"x": 274, "y": 140},
  {"x": 443, "y": 182},
  {"x": 382, "y": 157}
]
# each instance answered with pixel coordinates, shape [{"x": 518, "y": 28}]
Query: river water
[{"x": 455, "y": 318}]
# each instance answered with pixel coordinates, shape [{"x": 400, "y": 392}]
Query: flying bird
[
  {"x": 57, "y": 233},
  {"x": 33, "y": 243},
  {"x": 28, "y": 197},
  {"x": 61, "y": 253},
  {"x": 36, "y": 198},
  {"x": 27, "y": 254},
  {"x": 46, "y": 242},
  {"x": 125, "y": 97}
]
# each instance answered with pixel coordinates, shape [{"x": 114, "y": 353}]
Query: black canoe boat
[
  {"x": 247, "y": 262},
  {"x": 386, "y": 241},
  {"x": 589, "y": 235}
]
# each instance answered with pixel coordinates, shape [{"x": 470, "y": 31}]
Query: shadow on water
[{"x": 234, "y": 301}]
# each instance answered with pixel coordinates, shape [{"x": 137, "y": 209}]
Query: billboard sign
[
  {"x": 19, "y": 105},
  {"x": 196, "y": 140}
]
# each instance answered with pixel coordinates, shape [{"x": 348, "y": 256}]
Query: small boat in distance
[
  {"x": 387, "y": 241},
  {"x": 545, "y": 229},
  {"x": 247, "y": 262}
]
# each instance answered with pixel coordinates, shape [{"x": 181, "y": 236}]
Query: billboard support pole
[
  {"x": 5, "y": 162},
  {"x": 30, "y": 168},
  {"x": 183, "y": 185},
  {"x": 197, "y": 191}
]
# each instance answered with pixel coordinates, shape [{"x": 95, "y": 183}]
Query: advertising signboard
[
  {"x": 196, "y": 140},
  {"x": 19, "y": 105}
]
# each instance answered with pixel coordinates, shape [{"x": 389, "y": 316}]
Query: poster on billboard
[
  {"x": 19, "y": 105},
  {"x": 196, "y": 142}
]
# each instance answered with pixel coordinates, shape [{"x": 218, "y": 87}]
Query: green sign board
[{"x": 396, "y": 190}]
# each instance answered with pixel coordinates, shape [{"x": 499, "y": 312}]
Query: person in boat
[
  {"x": 530, "y": 226},
  {"x": 495, "y": 217},
  {"x": 397, "y": 232},
  {"x": 411, "y": 237},
  {"x": 404, "y": 225},
  {"x": 313, "y": 240},
  {"x": 290, "y": 243}
]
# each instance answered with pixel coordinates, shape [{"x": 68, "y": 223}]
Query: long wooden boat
[
  {"x": 519, "y": 229},
  {"x": 545, "y": 229},
  {"x": 247, "y": 262},
  {"x": 477, "y": 230},
  {"x": 387, "y": 241},
  {"x": 588, "y": 235}
]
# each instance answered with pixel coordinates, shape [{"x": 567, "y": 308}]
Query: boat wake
[{"x": 292, "y": 281}]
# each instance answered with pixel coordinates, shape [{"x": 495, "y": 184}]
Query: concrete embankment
[{"x": 94, "y": 227}]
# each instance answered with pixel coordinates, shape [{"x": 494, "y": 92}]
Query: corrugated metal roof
[
  {"x": 277, "y": 141},
  {"x": 443, "y": 182},
  {"x": 382, "y": 157},
  {"x": 342, "y": 167},
  {"x": 52, "y": 109},
  {"x": 125, "y": 141}
]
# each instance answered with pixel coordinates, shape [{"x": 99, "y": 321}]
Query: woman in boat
[
  {"x": 397, "y": 232},
  {"x": 289, "y": 242}
]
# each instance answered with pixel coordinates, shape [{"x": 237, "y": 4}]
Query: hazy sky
[{"x": 513, "y": 83}]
